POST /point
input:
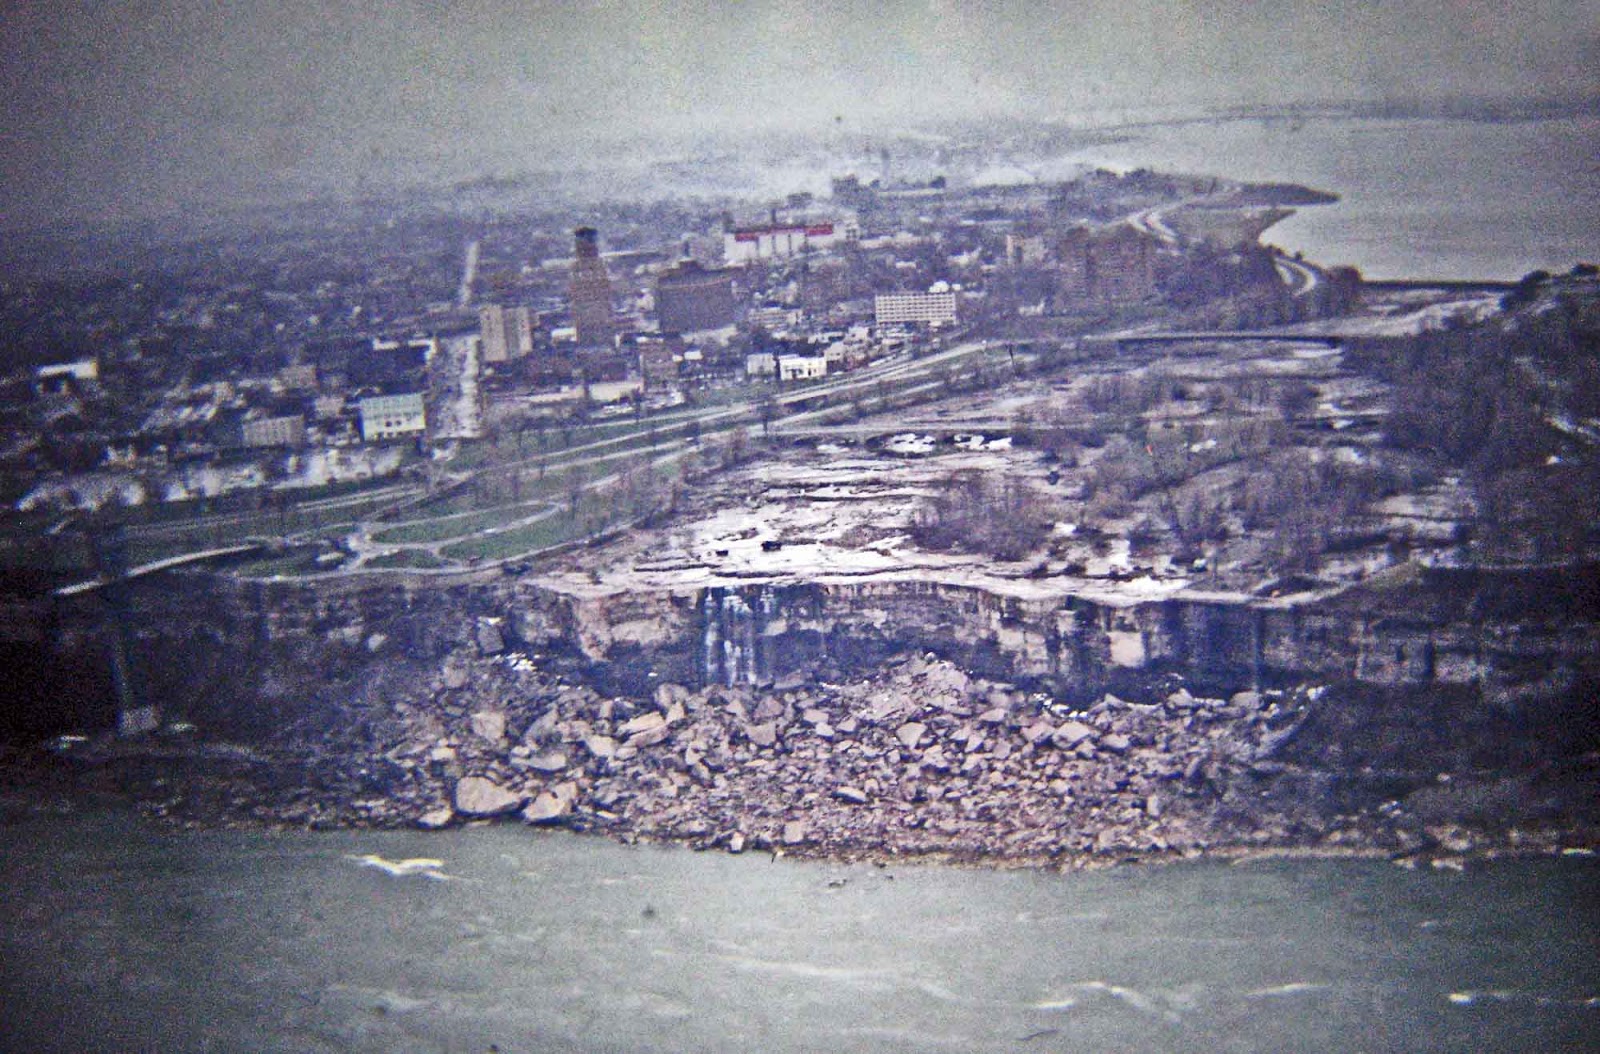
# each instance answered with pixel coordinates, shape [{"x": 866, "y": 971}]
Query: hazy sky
[{"x": 115, "y": 104}]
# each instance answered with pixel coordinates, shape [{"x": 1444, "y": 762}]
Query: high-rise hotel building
[{"x": 591, "y": 292}]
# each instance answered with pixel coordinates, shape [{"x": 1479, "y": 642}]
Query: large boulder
[
  {"x": 1071, "y": 734},
  {"x": 436, "y": 819},
  {"x": 554, "y": 761},
  {"x": 600, "y": 746},
  {"x": 910, "y": 734},
  {"x": 670, "y": 695},
  {"x": 552, "y": 805},
  {"x": 642, "y": 723},
  {"x": 490, "y": 725},
  {"x": 481, "y": 796},
  {"x": 547, "y": 808},
  {"x": 490, "y": 640}
]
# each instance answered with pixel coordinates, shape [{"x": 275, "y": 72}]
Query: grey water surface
[
  {"x": 118, "y": 937},
  {"x": 1419, "y": 198}
]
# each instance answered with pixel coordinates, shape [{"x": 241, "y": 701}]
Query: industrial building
[
  {"x": 802, "y": 367},
  {"x": 772, "y": 241},
  {"x": 285, "y": 431},
  {"x": 690, "y": 298},
  {"x": 392, "y": 416},
  {"x": 506, "y": 332}
]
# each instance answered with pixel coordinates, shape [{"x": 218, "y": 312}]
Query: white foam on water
[
  {"x": 1292, "y": 988},
  {"x": 811, "y": 971},
  {"x": 1065, "y": 1002},
  {"x": 423, "y": 866},
  {"x": 1501, "y": 995},
  {"x": 1130, "y": 996}
]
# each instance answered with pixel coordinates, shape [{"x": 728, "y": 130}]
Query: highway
[
  {"x": 469, "y": 274},
  {"x": 1152, "y": 221},
  {"x": 1300, "y": 278}
]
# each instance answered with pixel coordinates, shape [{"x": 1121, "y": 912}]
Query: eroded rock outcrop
[{"x": 1018, "y": 728}]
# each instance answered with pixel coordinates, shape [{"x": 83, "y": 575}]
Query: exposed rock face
[
  {"x": 1518, "y": 635},
  {"x": 762, "y": 633},
  {"x": 995, "y": 735}
]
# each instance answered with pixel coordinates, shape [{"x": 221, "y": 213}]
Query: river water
[
  {"x": 1419, "y": 198},
  {"x": 115, "y": 936}
]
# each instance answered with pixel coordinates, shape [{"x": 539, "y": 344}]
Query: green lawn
[
  {"x": 406, "y": 558},
  {"x": 456, "y": 525}
]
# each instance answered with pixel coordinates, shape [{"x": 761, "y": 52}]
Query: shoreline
[
  {"x": 920, "y": 761},
  {"x": 39, "y": 805}
]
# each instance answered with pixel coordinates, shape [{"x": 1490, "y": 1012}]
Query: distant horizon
[
  {"x": 154, "y": 107},
  {"x": 305, "y": 190}
]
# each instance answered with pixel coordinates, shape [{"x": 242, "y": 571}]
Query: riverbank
[{"x": 921, "y": 759}]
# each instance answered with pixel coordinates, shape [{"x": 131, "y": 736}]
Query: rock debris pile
[{"x": 921, "y": 758}]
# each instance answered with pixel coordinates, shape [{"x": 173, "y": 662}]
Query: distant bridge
[
  {"x": 1445, "y": 285},
  {"x": 1213, "y": 336}
]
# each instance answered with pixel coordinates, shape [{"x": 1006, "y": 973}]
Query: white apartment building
[
  {"x": 802, "y": 367},
  {"x": 392, "y": 416},
  {"x": 760, "y": 364},
  {"x": 933, "y": 309}
]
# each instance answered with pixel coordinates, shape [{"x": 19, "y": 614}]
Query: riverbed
[{"x": 117, "y": 935}]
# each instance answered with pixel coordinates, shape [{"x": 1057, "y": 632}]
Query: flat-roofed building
[
  {"x": 802, "y": 367},
  {"x": 392, "y": 416},
  {"x": 658, "y": 367},
  {"x": 775, "y": 317},
  {"x": 328, "y": 406},
  {"x": 288, "y": 430},
  {"x": 302, "y": 377},
  {"x": 760, "y": 364},
  {"x": 690, "y": 298},
  {"x": 506, "y": 332},
  {"x": 1115, "y": 264},
  {"x": 66, "y": 376},
  {"x": 933, "y": 309},
  {"x": 777, "y": 240}
]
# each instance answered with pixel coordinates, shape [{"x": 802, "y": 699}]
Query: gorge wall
[{"x": 225, "y": 652}]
